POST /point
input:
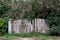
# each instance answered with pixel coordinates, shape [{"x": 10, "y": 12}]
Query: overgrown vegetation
[
  {"x": 3, "y": 18},
  {"x": 4, "y": 7},
  {"x": 3, "y": 25},
  {"x": 54, "y": 19},
  {"x": 45, "y": 9},
  {"x": 32, "y": 34}
]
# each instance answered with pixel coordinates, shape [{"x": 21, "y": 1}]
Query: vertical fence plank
[
  {"x": 38, "y": 25},
  {"x": 10, "y": 26}
]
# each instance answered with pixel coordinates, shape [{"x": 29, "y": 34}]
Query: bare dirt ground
[
  {"x": 25, "y": 38},
  {"x": 19, "y": 38},
  {"x": 30, "y": 38}
]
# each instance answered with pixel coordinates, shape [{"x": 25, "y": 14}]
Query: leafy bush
[
  {"x": 53, "y": 19},
  {"x": 4, "y": 7},
  {"x": 54, "y": 23},
  {"x": 54, "y": 31},
  {"x": 3, "y": 25}
]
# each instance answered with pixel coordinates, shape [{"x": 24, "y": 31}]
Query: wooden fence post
[{"x": 10, "y": 26}]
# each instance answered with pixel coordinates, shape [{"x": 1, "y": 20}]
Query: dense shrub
[
  {"x": 53, "y": 19},
  {"x": 54, "y": 23},
  {"x": 54, "y": 31},
  {"x": 3, "y": 25}
]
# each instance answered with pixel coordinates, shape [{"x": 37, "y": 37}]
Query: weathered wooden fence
[{"x": 22, "y": 26}]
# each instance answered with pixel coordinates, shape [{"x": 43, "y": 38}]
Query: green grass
[
  {"x": 40, "y": 36},
  {"x": 32, "y": 34}
]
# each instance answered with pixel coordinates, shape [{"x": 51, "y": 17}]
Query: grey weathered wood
[{"x": 38, "y": 26}]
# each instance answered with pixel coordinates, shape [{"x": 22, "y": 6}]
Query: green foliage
[
  {"x": 54, "y": 31},
  {"x": 54, "y": 24},
  {"x": 53, "y": 20},
  {"x": 3, "y": 25},
  {"x": 46, "y": 9},
  {"x": 32, "y": 34},
  {"x": 40, "y": 37},
  {"x": 3, "y": 8}
]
